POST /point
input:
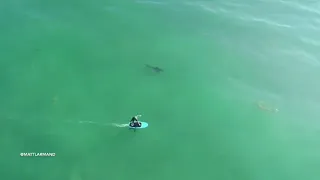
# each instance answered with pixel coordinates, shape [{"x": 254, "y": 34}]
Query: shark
[{"x": 154, "y": 68}]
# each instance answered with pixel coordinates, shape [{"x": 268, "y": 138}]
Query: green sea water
[{"x": 70, "y": 70}]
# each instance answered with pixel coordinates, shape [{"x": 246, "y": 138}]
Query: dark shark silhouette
[{"x": 154, "y": 68}]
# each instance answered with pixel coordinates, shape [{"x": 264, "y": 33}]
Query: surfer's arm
[{"x": 137, "y": 117}]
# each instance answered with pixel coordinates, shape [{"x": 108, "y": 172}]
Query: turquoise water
[{"x": 70, "y": 70}]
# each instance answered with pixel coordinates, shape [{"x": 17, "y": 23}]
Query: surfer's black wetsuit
[{"x": 134, "y": 122}]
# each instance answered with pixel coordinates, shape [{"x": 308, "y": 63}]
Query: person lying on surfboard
[
  {"x": 262, "y": 105},
  {"x": 134, "y": 121}
]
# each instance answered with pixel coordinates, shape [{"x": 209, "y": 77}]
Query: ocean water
[{"x": 71, "y": 72}]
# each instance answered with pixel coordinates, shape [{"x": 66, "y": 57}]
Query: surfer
[
  {"x": 264, "y": 107},
  {"x": 154, "y": 68},
  {"x": 134, "y": 122}
]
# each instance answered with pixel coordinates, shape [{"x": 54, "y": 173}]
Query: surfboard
[{"x": 143, "y": 125}]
